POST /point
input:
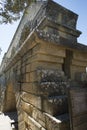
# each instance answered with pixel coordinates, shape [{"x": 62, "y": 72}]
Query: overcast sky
[{"x": 77, "y": 6}]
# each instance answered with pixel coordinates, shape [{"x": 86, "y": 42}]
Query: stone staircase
[{"x": 8, "y": 121}]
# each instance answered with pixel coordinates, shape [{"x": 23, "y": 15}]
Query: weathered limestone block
[
  {"x": 24, "y": 34},
  {"x": 43, "y": 129},
  {"x": 32, "y": 99},
  {"x": 48, "y": 58},
  {"x": 27, "y": 77},
  {"x": 23, "y": 69},
  {"x": 61, "y": 15},
  {"x": 28, "y": 108},
  {"x": 29, "y": 45},
  {"x": 32, "y": 88},
  {"x": 20, "y": 117},
  {"x": 9, "y": 103},
  {"x": 52, "y": 49},
  {"x": 77, "y": 69},
  {"x": 31, "y": 59},
  {"x": 36, "y": 49},
  {"x": 77, "y": 106},
  {"x": 31, "y": 123},
  {"x": 55, "y": 105},
  {"x": 46, "y": 65},
  {"x": 18, "y": 71},
  {"x": 33, "y": 76},
  {"x": 38, "y": 116},
  {"x": 33, "y": 112},
  {"x": 21, "y": 125},
  {"x": 18, "y": 100},
  {"x": 78, "y": 63},
  {"x": 28, "y": 67},
  {"x": 31, "y": 52},
  {"x": 80, "y": 56},
  {"x": 82, "y": 77}
]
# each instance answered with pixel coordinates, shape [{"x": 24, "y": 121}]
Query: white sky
[{"x": 78, "y": 6}]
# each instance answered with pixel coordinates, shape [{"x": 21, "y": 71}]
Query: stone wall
[
  {"x": 40, "y": 71},
  {"x": 36, "y": 97},
  {"x": 79, "y": 63}
]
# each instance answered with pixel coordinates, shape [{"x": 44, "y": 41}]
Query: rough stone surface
[{"x": 43, "y": 61}]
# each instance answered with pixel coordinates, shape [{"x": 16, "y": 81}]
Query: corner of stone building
[{"x": 44, "y": 66}]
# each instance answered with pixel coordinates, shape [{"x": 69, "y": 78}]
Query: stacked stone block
[{"x": 38, "y": 73}]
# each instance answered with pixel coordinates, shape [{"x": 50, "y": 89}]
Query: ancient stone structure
[{"x": 42, "y": 62}]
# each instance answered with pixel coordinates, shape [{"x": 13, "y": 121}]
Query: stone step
[
  {"x": 60, "y": 122},
  {"x": 63, "y": 118},
  {"x": 56, "y": 105},
  {"x": 65, "y": 121}
]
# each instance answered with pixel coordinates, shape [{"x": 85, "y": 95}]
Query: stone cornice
[{"x": 55, "y": 39}]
